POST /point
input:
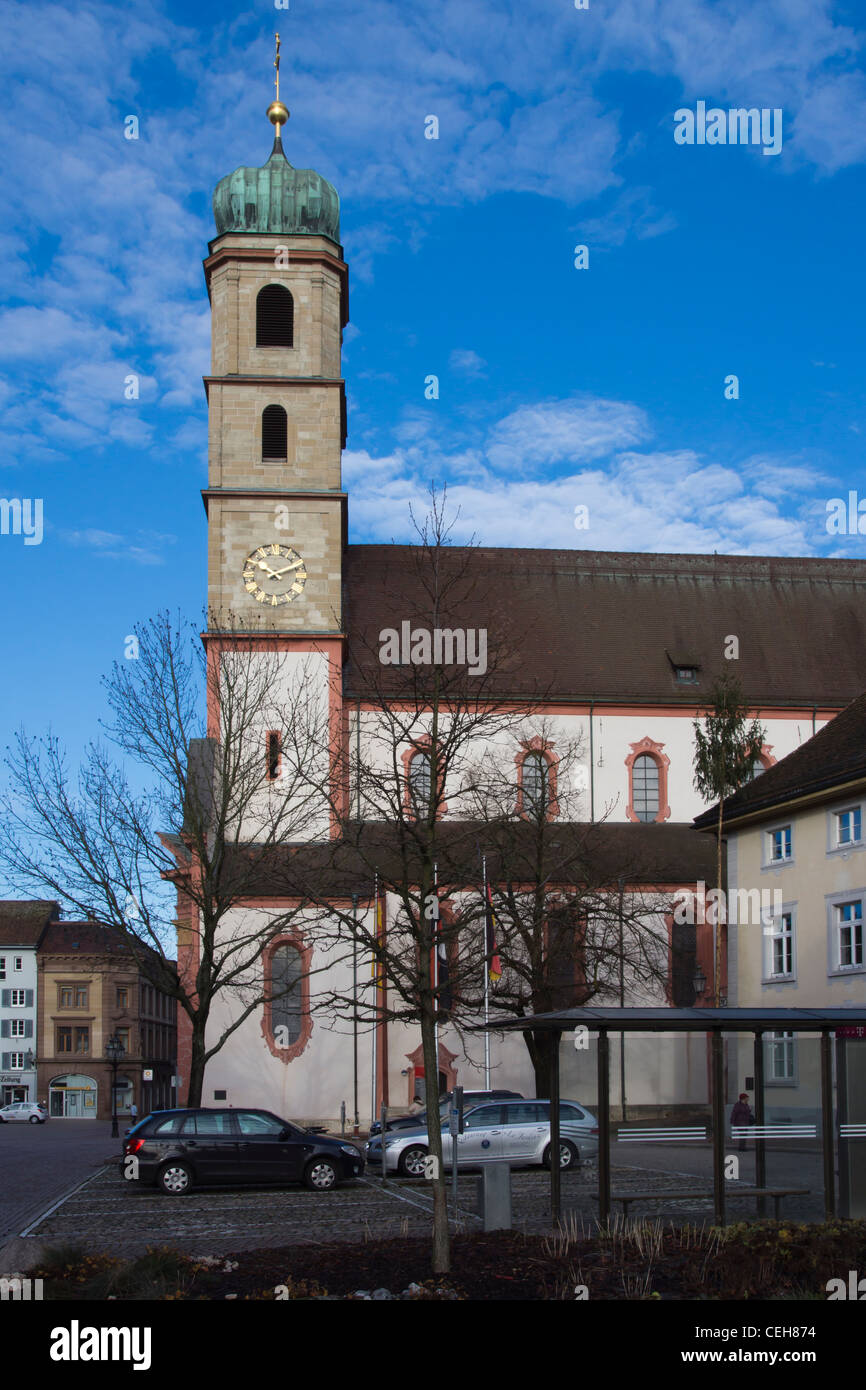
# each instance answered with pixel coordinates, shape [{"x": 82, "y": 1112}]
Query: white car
[
  {"x": 513, "y": 1131},
  {"x": 23, "y": 1110}
]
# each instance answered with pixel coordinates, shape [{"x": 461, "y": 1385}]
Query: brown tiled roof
[
  {"x": 88, "y": 938},
  {"x": 23, "y": 922},
  {"x": 833, "y": 756},
  {"x": 606, "y": 626}
]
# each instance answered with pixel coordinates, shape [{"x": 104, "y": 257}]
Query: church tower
[{"x": 278, "y": 288}]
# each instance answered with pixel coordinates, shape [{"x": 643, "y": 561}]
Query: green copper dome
[{"x": 277, "y": 198}]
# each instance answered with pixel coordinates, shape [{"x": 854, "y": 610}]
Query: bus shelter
[{"x": 844, "y": 1120}]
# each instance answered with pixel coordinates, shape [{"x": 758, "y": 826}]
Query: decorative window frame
[
  {"x": 768, "y": 864},
  {"x": 833, "y": 845},
  {"x": 446, "y": 1062},
  {"x": 419, "y": 745},
  {"x": 768, "y": 937},
  {"x": 836, "y": 971},
  {"x": 288, "y": 1054},
  {"x": 649, "y": 747},
  {"x": 528, "y": 747}
]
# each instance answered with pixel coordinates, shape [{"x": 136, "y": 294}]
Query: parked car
[
  {"x": 177, "y": 1150},
  {"x": 32, "y": 1110},
  {"x": 515, "y": 1132},
  {"x": 419, "y": 1119}
]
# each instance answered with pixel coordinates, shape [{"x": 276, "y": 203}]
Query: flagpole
[
  {"x": 486, "y": 980},
  {"x": 375, "y": 991},
  {"x": 435, "y": 1083}
]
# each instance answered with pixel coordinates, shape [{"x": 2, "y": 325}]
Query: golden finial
[{"x": 278, "y": 114}]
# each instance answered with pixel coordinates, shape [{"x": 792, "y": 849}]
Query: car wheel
[
  {"x": 320, "y": 1175},
  {"x": 35, "y": 1120},
  {"x": 568, "y": 1156},
  {"x": 413, "y": 1161},
  {"x": 175, "y": 1179}
]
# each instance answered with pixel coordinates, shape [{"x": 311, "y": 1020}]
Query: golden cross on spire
[
  {"x": 277, "y": 112},
  {"x": 277, "y": 66}
]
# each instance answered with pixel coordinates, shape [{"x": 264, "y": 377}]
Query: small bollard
[{"x": 494, "y": 1196}]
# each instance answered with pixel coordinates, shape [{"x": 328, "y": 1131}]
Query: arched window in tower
[
  {"x": 275, "y": 317},
  {"x": 287, "y": 995},
  {"x": 419, "y": 783},
  {"x": 535, "y": 782},
  {"x": 274, "y": 432},
  {"x": 645, "y": 787}
]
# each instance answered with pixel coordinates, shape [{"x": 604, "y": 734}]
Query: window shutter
[
  {"x": 6, "y": 998},
  {"x": 5, "y": 1060},
  {"x": 28, "y": 1027},
  {"x": 28, "y": 998},
  {"x": 5, "y": 1028}
]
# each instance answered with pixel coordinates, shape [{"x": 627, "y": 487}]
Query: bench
[{"x": 777, "y": 1193}]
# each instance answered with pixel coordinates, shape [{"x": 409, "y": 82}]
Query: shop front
[{"x": 72, "y": 1097}]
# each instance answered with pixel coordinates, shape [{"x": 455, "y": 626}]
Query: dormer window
[
  {"x": 687, "y": 675},
  {"x": 685, "y": 668}
]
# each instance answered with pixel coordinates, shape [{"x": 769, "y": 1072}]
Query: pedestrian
[
  {"x": 133, "y": 1112},
  {"x": 741, "y": 1114}
]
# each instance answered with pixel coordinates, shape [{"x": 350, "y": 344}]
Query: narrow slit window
[
  {"x": 275, "y": 317},
  {"x": 274, "y": 755},
  {"x": 275, "y": 429}
]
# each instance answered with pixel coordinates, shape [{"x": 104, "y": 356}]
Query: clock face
[{"x": 274, "y": 574}]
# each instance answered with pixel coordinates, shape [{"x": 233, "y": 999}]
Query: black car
[
  {"x": 419, "y": 1120},
  {"x": 177, "y": 1150}
]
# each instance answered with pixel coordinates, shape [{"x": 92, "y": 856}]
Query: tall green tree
[{"x": 727, "y": 745}]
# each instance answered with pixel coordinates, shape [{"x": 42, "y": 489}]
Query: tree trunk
[
  {"x": 441, "y": 1235},
  {"x": 541, "y": 1055},
  {"x": 196, "y": 1067},
  {"x": 717, "y": 962}
]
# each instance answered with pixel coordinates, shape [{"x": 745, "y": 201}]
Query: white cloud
[{"x": 467, "y": 362}]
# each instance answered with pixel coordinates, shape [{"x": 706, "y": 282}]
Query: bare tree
[{"x": 170, "y": 830}]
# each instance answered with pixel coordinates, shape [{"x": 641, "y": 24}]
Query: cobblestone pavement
[
  {"x": 38, "y": 1163},
  {"x": 108, "y": 1214}
]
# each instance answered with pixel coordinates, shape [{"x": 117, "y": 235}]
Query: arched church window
[
  {"x": 419, "y": 782},
  {"x": 274, "y": 432},
  {"x": 275, "y": 317},
  {"x": 535, "y": 781},
  {"x": 287, "y": 995},
  {"x": 645, "y": 787}
]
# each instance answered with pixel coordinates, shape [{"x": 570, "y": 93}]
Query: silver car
[
  {"x": 515, "y": 1131},
  {"x": 24, "y": 1110}
]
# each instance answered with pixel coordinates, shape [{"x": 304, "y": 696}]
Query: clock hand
[
  {"x": 273, "y": 573},
  {"x": 293, "y": 566}
]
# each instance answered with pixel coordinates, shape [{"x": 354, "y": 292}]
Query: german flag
[{"x": 494, "y": 965}]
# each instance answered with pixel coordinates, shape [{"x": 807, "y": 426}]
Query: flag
[
  {"x": 443, "y": 980},
  {"x": 377, "y": 971},
  {"x": 494, "y": 964}
]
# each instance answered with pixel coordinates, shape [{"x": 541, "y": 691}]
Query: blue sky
[{"x": 558, "y": 387}]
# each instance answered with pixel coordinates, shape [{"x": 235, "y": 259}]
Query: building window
[
  {"x": 2, "y": 967},
  {"x": 781, "y": 944},
  {"x": 275, "y": 317},
  {"x": 275, "y": 430},
  {"x": 82, "y": 1040},
  {"x": 274, "y": 755},
  {"x": 286, "y": 989},
  {"x": 849, "y": 929},
  {"x": 18, "y": 997},
  {"x": 645, "y": 787},
  {"x": 779, "y": 1057},
  {"x": 19, "y": 964},
  {"x": 123, "y": 1035},
  {"x": 535, "y": 786},
  {"x": 64, "y": 1039},
  {"x": 122, "y": 997},
  {"x": 65, "y": 997},
  {"x": 81, "y": 997},
  {"x": 647, "y": 782},
  {"x": 17, "y": 1028},
  {"x": 779, "y": 844},
  {"x": 419, "y": 782},
  {"x": 686, "y": 675},
  {"x": 848, "y": 826},
  {"x": 16, "y": 1061}
]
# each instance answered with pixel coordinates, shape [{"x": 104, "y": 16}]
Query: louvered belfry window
[
  {"x": 275, "y": 317},
  {"x": 274, "y": 432}
]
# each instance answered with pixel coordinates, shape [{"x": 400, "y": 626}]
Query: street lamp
[
  {"x": 114, "y": 1050},
  {"x": 699, "y": 982}
]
